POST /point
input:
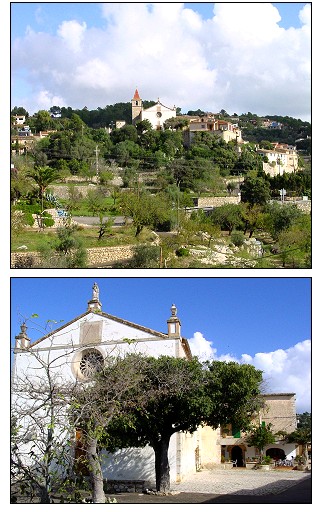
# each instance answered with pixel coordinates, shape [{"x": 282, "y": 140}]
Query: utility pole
[{"x": 97, "y": 163}]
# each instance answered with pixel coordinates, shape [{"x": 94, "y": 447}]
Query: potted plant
[
  {"x": 260, "y": 437},
  {"x": 265, "y": 463},
  {"x": 250, "y": 464},
  {"x": 227, "y": 464}
]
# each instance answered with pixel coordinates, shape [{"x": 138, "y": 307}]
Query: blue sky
[
  {"x": 267, "y": 319},
  {"x": 238, "y": 57}
]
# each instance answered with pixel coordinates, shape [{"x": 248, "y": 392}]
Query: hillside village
[{"x": 223, "y": 188}]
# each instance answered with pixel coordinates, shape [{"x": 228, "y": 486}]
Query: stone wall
[
  {"x": 97, "y": 257},
  {"x": 304, "y": 206},
  {"x": 217, "y": 201},
  {"x": 108, "y": 255}
]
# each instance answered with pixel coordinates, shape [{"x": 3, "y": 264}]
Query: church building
[
  {"x": 76, "y": 349},
  {"x": 157, "y": 114}
]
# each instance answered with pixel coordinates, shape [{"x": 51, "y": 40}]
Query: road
[{"x": 95, "y": 221}]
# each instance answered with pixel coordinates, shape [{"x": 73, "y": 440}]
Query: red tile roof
[{"x": 136, "y": 95}]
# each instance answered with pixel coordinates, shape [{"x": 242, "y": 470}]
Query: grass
[{"x": 124, "y": 235}]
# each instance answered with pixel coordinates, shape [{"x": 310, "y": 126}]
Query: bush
[
  {"x": 237, "y": 238},
  {"x": 182, "y": 252},
  {"x": 28, "y": 219},
  {"x": 47, "y": 220}
]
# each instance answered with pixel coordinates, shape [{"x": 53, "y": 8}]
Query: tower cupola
[
  {"x": 174, "y": 324},
  {"x": 22, "y": 340}
]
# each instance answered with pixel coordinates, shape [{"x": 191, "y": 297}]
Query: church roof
[
  {"x": 147, "y": 330},
  {"x": 136, "y": 95},
  {"x": 157, "y": 105},
  {"x": 95, "y": 308}
]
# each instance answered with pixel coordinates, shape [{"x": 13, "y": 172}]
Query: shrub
[
  {"x": 47, "y": 220},
  {"x": 237, "y": 238},
  {"x": 182, "y": 252}
]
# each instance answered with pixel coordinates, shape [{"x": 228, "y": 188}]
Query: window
[{"x": 91, "y": 362}]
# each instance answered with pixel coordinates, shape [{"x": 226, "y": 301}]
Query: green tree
[
  {"x": 253, "y": 217},
  {"x": 228, "y": 216},
  {"x": 255, "y": 190},
  {"x": 144, "y": 210},
  {"x": 42, "y": 121},
  {"x": 295, "y": 243},
  {"x": 180, "y": 395},
  {"x": 280, "y": 217},
  {"x": 261, "y": 436}
]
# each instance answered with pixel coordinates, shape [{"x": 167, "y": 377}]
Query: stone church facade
[{"x": 157, "y": 114}]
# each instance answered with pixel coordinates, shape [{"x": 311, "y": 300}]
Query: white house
[
  {"x": 281, "y": 159},
  {"x": 75, "y": 348}
]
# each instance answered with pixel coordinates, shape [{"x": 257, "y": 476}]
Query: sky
[
  {"x": 265, "y": 322},
  {"x": 240, "y": 57}
]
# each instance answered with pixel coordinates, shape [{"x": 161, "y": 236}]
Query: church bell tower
[{"x": 136, "y": 103}]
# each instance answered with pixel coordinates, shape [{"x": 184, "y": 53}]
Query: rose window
[{"x": 91, "y": 362}]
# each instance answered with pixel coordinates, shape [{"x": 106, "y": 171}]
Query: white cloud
[
  {"x": 201, "y": 347},
  {"x": 284, "y": 370},
  {"x": 240, "y": 59},
  {"x": 72, "y": 33}
]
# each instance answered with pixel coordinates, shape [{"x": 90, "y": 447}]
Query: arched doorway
[
  {"x": 237, "y": 454},
  {"x": 276, "y": 453}
]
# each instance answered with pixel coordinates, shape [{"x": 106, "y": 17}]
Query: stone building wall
[{"x": 280, "y": 410}]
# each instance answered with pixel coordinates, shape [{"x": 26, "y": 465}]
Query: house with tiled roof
[{"x": 282, "y": 158}]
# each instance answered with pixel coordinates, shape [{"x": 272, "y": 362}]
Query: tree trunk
[
  {"x": 98, "y": 495},
  {"x": 162, "y": 468}
]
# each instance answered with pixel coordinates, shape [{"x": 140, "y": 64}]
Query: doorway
[
  {"x": 276, "y": 453},
  {"x": 237, "y": 454}
]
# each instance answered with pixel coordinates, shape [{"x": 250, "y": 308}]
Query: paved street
[
  {"x": 95, "y": 221},
  {"x": 233, "y": 486}
]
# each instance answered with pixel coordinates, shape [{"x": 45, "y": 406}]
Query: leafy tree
[
  {"x": 295, "y": 243},
  {"x": 179, "y": 395},
  {"x": 280, "y": 217},
  {"x": 144, "y": 210},
  {"x": 253, "y": 217},
  {"x": 176, "y": 123},
  {"x": 41, "y": 121},
  {"x": 255, "y": 190},
  {"x": 302, "y": 434},
  {"x": 143, "y": 126},
  {"x": 19, "y": 111},
  {"x": 260, "y": 437},
  {"x": 82, "y": 148},
  {"x": 228, "y": 216}
]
